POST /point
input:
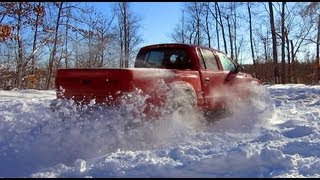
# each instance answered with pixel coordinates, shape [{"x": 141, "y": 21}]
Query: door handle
[{"x": 207, "y": 79}]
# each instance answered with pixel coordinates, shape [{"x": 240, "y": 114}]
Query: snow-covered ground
[{"x": 276, "y": 136}]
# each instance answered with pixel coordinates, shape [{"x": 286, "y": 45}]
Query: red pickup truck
[{"x": 205, "y": 76}]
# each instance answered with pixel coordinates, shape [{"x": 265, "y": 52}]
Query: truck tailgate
[{"x": 86, "y": 84}]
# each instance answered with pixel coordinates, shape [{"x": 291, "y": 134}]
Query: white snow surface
[{"x": 276, "y": 135}]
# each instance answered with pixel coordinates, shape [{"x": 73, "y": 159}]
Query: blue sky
[{"x": 158, "y": 18}]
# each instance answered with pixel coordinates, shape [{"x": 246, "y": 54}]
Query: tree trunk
[
  {"x": 35, "y": 42},
  {"x": 20, "y": 49},
  {"x": 274, "y": 45},
  {"x": 121, "y": 48},
  {"x": 89, "y": 65},
  {"x": 217, "y": 23},
  {"x": 235, "y": 33},
  {"x": 183, "y": 28},
  {"x": 128, "y": 28},
  {"x": 126, "y": 34},
  {"x": 54, "y": 49},
  {"x": 318, "y": 53},
  {"x": 251, "y": 41},
  {"x": 283, "y": 62},
  {"x": 66, "y": 48},
  {"x": 293, "y": 64},
  {"x": 197, "y": 9},
  {"x": 222, "y": 29},
  {"x": 207, "y": 26},
  {"x": 230, "y": 37},
  {"x": 289, "y": 61}
]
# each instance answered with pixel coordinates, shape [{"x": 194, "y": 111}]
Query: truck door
[
  {"x": 236, "y": 81},
  {"x": 212, "y": 79}
]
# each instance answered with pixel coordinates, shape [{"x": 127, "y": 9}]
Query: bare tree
[
  {"x": 297, "y": 28},
  {"x": 274, "y": 45},
  {"x": 105, "y": 36},
  {"x": 54, "y": 49},
  {"x": 179, "y": 32},
  {"x": 299, "y": 42},
  {"x": 217, "y": 22},
  {"x": 317, "y": 47},
  {"x": 233, "y": 22},
  {"x": 128, "y": 24},
  {"x": 195, "y": 14},
  {"x": 222, "y": 28},
  {"x": 230, "y": 36},
  {"x": 20, "y": 44},
  {"x": 23, "y": 17},
  {"x": 288, "y": 55},
  {"x": 251, "y": 40},
  {"x": 184, "y": 32},
  {"x": 21, "y": 14},
  {"x": 293, "y": 63},
  {"x": 101, "y": 34},
  {"x": 207, "y": 23},
  {"x": 312, "y": 9},
  {"x": 235, "y": 27},
  {"x": 283, "y": 39},
  {"x": 214, "y": 14},
  {"x": 40, "y": 12}
]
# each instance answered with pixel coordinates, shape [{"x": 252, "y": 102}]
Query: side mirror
[
  {"x": 241, "y": 68},
  {"x": 237, "y": 69}
]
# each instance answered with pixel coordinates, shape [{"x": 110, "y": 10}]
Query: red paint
[{"x": 107, "y": 85}]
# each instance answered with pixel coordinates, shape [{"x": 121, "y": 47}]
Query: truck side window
[
  {"x": 177, "y": 59},
  {"x": 209, "y": 59},
  {"x": 226, "y": 62}
]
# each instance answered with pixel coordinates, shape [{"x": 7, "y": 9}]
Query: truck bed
[
  {"x": 106, "y": 85},
  {"x": 86, "y": 84}
]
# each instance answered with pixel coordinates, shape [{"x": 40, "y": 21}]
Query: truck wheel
[
  {"x": 216, "y": 115},
  {"x": 182, "y": 101}
]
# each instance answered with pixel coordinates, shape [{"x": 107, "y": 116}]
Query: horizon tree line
[{"x": 37, "y": 38}]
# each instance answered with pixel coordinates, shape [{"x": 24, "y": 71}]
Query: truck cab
[{"x": 217, "y": 73}]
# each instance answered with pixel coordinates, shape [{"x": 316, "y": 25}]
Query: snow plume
[
  {"x": 35, "y": 135},
  {"x": 168, "y": 126},
  {"x": 248, "y": 106}
]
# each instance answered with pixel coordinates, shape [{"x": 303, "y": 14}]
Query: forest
[{"x": 277, "y": 42}]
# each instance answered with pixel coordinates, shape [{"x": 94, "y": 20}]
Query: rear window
[{"x": 163, "y": 58}]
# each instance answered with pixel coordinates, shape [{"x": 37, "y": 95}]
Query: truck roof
[{"x": 177, "y": 45}]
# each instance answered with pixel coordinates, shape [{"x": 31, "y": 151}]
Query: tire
[
  {"x": 216, "y": 115},
  {"x": 182, "y": 100}
]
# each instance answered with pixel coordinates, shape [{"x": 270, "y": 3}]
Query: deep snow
[{"x": 276, "y": 136}]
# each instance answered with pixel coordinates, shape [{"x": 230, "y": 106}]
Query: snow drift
[{"x": 275, "y": 135}]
